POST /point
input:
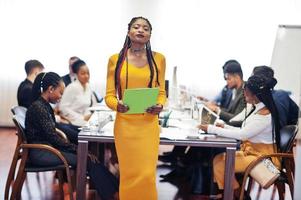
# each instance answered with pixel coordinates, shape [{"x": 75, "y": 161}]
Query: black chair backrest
[
  {"x": 287, "y": 137},
  {"x": 97, "y": 97},
  {"x": 20, "y": 111}
]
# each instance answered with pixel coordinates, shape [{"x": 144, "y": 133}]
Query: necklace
[{"x": 137, "y": 50}]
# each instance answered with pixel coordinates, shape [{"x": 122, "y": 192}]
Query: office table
[{"x": 218, "y": 142}]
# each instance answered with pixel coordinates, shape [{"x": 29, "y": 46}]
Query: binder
[{"x": 139, "y": 99}]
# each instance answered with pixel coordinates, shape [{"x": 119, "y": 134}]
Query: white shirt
[
  {"x": 256, "y": 128},
  {"x": 242, "y": 115},
  {"x": 234, "y": 91},
  {"x": 73, "y": 77},
  {"x": 75, "y": 103}
]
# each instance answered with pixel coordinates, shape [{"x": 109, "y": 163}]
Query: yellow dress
[{"x": 136, "y": 135}]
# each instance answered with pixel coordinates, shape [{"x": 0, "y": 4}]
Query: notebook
[{"x": 139, "y": 99}]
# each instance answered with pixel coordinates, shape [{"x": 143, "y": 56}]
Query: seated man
[
  {"x": 71, "y": 77},
  {"x": 234, "y": 78},
  {"x": 223, "y": 98},
  {"x": 32, "y": 69}
]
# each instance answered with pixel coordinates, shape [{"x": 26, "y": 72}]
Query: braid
[
  {"x": 121, "y": 57},
  {"x": 261, "y": 86},
  {"x": 151, "y": 61},
  {"x": 245, "y": 104},
  {"x": 150, "y": 64},
  {"x": 43, "y": 81}
]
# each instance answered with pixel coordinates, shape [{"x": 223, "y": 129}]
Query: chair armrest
[
  {"x": 258, "y": 160},
  {"x": 262, "y": 157},
  {"x": 61, "y": 134},
  {"x": 45, "y": 147}
]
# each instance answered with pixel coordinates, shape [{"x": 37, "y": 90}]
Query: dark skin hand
[
  {"x": 203, "y": 127},
  {"x": 154, "y": 110},
  {"x": 122, "y": 108},
  {"x": 220, "y": 125}
]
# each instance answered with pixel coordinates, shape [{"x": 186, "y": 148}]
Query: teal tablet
[{"x": 139, "y": 99}]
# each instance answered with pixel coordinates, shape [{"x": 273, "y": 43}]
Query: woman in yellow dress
[{"x": 136, "y": 135}]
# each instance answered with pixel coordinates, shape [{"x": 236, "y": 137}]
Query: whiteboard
[
  {"x": 286, "y": 62},
  {"x": 286, "y": 59}
]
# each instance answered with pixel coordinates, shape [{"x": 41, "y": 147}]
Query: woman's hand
[
  {"x": 202, "y": 98},
  {"x": 87, "y": 117},
  {"x": 121, "y": 107},
  {"x": 154, "y": 110},
  {"x": 203, "y": 127},
  {"x": 221, "y": 125}
]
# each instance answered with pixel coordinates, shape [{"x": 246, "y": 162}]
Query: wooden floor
[{"x": 44, "y": 187}]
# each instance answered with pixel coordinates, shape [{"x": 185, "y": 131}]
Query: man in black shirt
[
  {"x": 32, "y": 69},
  {"x": 69, "y": 78},
  {"x": 234, "y": 77}
]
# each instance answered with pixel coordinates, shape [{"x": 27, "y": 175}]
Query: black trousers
[
  {"x": 199, "y": 160},
  {"x": 70, "y": 130},
  {"x": 105, "y": 183}
]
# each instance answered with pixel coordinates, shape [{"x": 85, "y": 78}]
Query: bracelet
[{"x": 160, "y": 105}]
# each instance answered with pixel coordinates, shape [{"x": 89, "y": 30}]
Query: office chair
[{"x": 21, "y": 153}]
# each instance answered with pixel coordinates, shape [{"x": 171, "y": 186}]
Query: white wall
[
  {"x": 286, "y": 59},
  {"x": 197, "y": 36}
]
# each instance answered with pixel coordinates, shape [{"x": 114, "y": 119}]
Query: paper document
[
  {"x": 183, "y": 134},
  {"x": 99, "y": 108},
  {"x": 208, "y": 116},
  {"x": 139, "y": 99}
]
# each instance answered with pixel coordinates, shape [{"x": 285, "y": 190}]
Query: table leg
[
  {"x": 82, "y": 152},
  {"x": 229, "y": 173}
]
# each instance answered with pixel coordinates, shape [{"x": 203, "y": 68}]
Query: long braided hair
[
  {"x": 123, "y": 54},
  {"x": 261, "y": 87}
]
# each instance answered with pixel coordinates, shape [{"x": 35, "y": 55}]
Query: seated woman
[
  {"x": 77, "y": 97},
  {"x": 259, "y": 132},
  {"x": 40, "y": 128}
]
